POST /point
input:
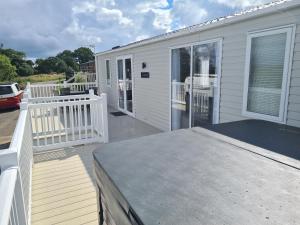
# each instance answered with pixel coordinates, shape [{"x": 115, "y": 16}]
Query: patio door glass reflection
[
  {"x": 128, "y": 84},
  {"x": 181, "y": 62},
  {"x": 194, "y": 85},
  {"x": 124, "y": 68},
  {"x": 204, "y": 85},
  {"x": 121, "y": 84}
]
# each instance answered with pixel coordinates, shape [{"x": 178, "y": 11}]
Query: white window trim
[
  {"x": 108, "y": 84},
  {"x": 123, "y": 57},
  {"x": 290, "y": 30}
]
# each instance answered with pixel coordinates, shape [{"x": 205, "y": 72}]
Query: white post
[
  {"x": 104, "y": 117},
  {"x": 24, "y": 105},
  {"x": 91, "y": 93},
  {"x": 25, "y": 97},
  {"x": 96, "y": 73},
  {"x": 65, "y": 83},
  {"x": 28, "y": 86},
  {"x": 27, "y": 91}
]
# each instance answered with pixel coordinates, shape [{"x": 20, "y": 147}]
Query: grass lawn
[{"x": 54, "y": 78}]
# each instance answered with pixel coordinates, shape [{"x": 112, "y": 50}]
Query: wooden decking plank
[
  {"x": 81, "y": 220},
  {"x": 70, "y": 216},
  {"x": 48, "y": 194},
  {"x": 53, "y": 173},
  {"x": 63, "y": 188},
  {"x": 61, "y": 204},
  {"x": 62, "y": 210},
  {"x": 46, "y": 180}
]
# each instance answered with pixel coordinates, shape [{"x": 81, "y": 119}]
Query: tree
[
  {"x": 61, "y": 66},
  {"x": 46, "y": 65},
  {"x": 83, "y": 55},
  {"x": 29, "y": 62},
  {"x": 50, "y": 65},
  {"x": 25, "y": 69},
  {"x": 7, "y": 70},
  {"x": 17, "y": 58},
  {"x": 68, "y": 57}
]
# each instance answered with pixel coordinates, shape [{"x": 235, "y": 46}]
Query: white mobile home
[{"x": 233, "y": 68}]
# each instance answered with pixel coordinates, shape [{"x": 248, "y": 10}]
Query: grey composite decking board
[
  {"x": 194, "y": 177},
  {"x": 275, "y": 137}
]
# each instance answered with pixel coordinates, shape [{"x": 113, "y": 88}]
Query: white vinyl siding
[
  {"x": 152, "y": 95},
  {"x": 267, "y": 73}
]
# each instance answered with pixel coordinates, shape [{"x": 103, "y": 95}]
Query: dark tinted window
[
  {"x": 17, "y": 86},
  {"x": 5, "y": 90}
]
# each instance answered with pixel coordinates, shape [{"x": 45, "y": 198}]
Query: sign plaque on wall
[{"x": 145, "y": 75}]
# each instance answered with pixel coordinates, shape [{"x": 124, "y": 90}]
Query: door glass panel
[
  {"x": 128, "y": 75},
  {"x": 266, "y": 74},
  {"x": 180, "y": 97},
  {"x": 204, "y": 84},
  {"x": 121, "y": 84}
]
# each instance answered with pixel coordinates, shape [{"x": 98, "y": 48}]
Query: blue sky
[{"x": 42, "y": 28}]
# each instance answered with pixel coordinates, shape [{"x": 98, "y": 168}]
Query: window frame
[
  {"x": 290, "y": 32},
  {"x": 108, "y": 81}
]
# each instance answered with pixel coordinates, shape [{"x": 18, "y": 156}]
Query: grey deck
[
  {"x": 196, "y": 176},
  {"x": 275, "y": 137}
]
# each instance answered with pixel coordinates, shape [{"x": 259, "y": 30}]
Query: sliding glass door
[
  {"x": 181, "y": 67},
  {"x": 125, "y": 84},
  {"x": 195, "y": 76}
]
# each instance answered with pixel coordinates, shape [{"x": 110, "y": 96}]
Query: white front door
[{"x": 125, "y": 84}]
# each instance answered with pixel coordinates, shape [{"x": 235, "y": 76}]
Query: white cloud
[
  {"x": 141, "y": 37},
  {"x": 43, "y": 28},
  {"x": 82, "y": 34},
  {"x": 113, "y": 14},
  {"x": 146, "y": 6},
  {"x": 188, "y": 12},
  {"x": 162, "y": 20},
  {"x": 84, "y": 7},
  {"x": 240, "y": 3}
]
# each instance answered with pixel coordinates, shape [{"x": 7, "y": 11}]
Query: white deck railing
[
  {"x": 15, "y": 177},
  {"x": 86, "y": 77},
  {"x": 64, "y": 121},
  {"x": 50, "y": 90},
  {"x": 89, "y": 77},
  {"x": 43, "y": 124}
]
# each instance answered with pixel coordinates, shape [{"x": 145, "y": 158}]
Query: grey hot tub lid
[{"x": 142, "y": 190}]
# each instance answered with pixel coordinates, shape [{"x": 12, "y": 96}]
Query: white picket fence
[
  {"x": 44, "y": 124},
  {"x": 15, "y": 178},
  {"x": 50, "y": 90}
]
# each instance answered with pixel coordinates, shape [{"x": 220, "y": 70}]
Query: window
[
  {"x": 266, "y": 78},
  {"x": 107, "y": 66},
  {"x": 6, "y": 90}
]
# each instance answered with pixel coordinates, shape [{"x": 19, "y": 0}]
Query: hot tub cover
[{"x": 196, "y": 176}]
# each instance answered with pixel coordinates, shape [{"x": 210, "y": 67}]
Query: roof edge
[{"x": 203, "y": 26}]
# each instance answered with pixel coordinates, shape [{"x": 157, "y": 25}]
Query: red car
[{"x": 10, "y": 96}]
